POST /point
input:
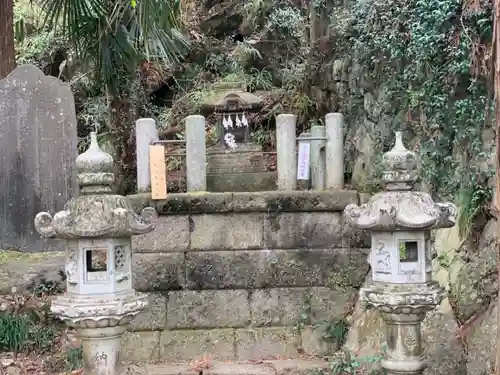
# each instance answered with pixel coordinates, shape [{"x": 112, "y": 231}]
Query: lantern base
[
  {"x": 82, "y": 311},
  {"x": 403, "y": 308},
  {"x": 101, "y": 350}
]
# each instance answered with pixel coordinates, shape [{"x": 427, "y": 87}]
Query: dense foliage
[{"x": 432, "y": 59}]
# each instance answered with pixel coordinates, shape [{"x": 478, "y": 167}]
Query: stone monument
[
  {"x": 97, "y": 226},
  {"x": 402, "y": 288},
  {"x": 38, "y": 147}
]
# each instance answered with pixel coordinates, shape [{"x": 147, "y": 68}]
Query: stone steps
[{"x": 266, "y": 367}]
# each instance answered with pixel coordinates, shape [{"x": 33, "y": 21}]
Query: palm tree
[{"x": 116, "y": 37}]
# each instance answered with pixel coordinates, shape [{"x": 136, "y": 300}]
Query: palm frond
[
  {"x": 119, "y": 37},
  {"x": 68, "y": 13}
]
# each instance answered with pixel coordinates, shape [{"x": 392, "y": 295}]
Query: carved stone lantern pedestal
[
  {"x": 403, "y": 308},
  {"x": 97, "y": 225},
  {"x": 402, "y": 288}
]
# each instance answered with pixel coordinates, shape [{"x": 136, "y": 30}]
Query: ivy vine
[{"x": 432, "y": 59}]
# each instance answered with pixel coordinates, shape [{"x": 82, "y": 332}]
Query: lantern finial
[
  {"x": 95, "y": 169},
  {"x": 400, "y": 166}
]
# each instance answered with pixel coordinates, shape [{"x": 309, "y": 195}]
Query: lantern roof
[
  {"x": 231, "y": 97},
  {"x": 97, "y": 211},
  {"x": 399, "y": 207}
]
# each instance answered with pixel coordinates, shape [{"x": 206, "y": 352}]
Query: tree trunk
[
  {"x": 7, "y": 51},
  {"x": 121, "y": 121},
  {"x": 496, "y": 90}
]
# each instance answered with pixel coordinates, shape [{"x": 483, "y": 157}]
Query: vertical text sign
[
  {"x": 158, "y": 172},
  {"x": 303, "y": 161}
]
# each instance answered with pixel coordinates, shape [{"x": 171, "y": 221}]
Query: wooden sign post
[{"x": 158, "y": 170}]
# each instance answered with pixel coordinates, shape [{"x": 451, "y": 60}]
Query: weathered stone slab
[
  {"x": 283, "y": 306},
  {"x": 211, "y": 202},
  {"x": 274, "y": 268},
  {"x": 264, "y": 343},
  {"x": 171, "y": 234},
  {"x": 221, "y": 269},
  {"x": 171, "y": 369},
  {"x": 154, "y": 317},
  {"x": 261, "y": 201},
  {"x": 226, "y": 231},
  {"x": 310, "y": 200},
  {"x": 267, "y": 367},
  {"x": 158, "y": 271},
  {"x": 297, "y": 366},
  {"x": 38, "y": 148},
  {"x": 353, "y": 237},
  {"x": 314, "y": 343},
  {"x": 182, "y": 203},
  {"x": 140, "y": 346},
  {"x": 247, "y": 182},
  {"x": 189, "y": 345},
  {"x": 208, "y": 309},
  {"x": 302, "y": 230},
  {"x": 239, "y": 369}
]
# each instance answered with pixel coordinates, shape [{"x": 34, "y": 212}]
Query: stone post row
[
  {"x": 326, "y": 156},
  {"x": 196, "y": 171}
]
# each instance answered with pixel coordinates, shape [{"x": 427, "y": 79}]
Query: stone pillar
[
  {"x": 97, "y": 225},
  {"x": 401, "y": 288},
  {"x": 196, "y": 155},
  {"x": 404, "y": 342},
  {"x": 318, "y": 164},
  {"x": 101, "y": 350},
  {"x": 145, "y": 133},
  {"x": 286, "y": 151},
  {"x": 334, "y": 150}
]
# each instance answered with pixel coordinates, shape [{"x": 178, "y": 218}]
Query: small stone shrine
[
  {"x": 97, "y": 225},
  {"x": 402, "y": 288},
  {"x": 233, "y": 107}
]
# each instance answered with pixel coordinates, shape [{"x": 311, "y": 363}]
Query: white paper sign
[{"x": 303, "y": 161}]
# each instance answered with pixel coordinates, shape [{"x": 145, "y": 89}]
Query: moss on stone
[
  {"x": 215, "y": 202},
  {"x": 174, "y": 204},
  {"x": 272, "y": 202},
  {"x": 346, "y": 278}
]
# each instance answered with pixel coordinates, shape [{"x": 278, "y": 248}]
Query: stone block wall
[{"x": 244, "y": 275}]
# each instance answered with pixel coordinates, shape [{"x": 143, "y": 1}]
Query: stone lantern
[
  {"x": 400, "y": 220},
  {"x": 97, "y": 225}
]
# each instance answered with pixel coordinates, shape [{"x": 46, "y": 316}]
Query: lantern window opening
[
  {"x": 96, "y": 261},
  {"x": 408, "y": 251}
]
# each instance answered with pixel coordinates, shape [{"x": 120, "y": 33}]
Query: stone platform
[{"x": 268, "y": 367}]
